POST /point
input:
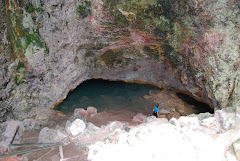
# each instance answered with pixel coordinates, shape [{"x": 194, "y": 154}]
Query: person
[{"x": 156, "y": 111}]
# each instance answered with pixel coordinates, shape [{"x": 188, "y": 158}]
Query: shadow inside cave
[
  {"x": 121, "y": 96},
  {"x": 200, "y": 107}
]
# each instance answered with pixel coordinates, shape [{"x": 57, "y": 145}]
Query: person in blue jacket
[{"x": 156, "y": 111}]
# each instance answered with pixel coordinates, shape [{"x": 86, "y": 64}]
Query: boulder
[
  {"x": 139, "y": 117},
  {"x": 189, "y": 123},
  {"x": 76, "y": 127},
  {"x": 114, "y": 125},
  {"x": 209, "y": 122},
  {"x": 173, "y": 114},
  {"x": 91, "y": 127},
  {"x": 33, "y": 124},
  {"x": 80, "y": 111},
  {"x": 73, "y": 118},
  {"x": 226, "y": 118},
  {"x": 12, "y": 127},
  {"x": 91, "y": 111},
  {"x": 201, "y": 116},
  {"x": 47, "y": 135},
  {"x": 149, "y": 119},
  {"x": 236, "y": 147}
]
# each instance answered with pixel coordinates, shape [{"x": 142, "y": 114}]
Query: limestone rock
[
  {"x": 189, "y": 123},
  {"x": 114, "y": 126},
  {"x": 172, "y": 114},
  {"x": 47, "y": 135},
  {"x": 139, "y": 118},
  {"x": 33, "y": 124},
  {"x": 91, "y": 111},
  {"x": 226, "y": 119},
  {"x": 81, "y": 111},
  {"x": 201, "y": 116},
  {"x": 91, "y": 127},
  {"x": 209, "y": 122},
  {"x": 76, "y": 127},
  {"x": 12, "y": 127},
  {"x": 236, "y": 147},
  {"x": 149, "y": 119},
  {"x": 73, "y": 118},
  {"x": 141, "y": 144},
  {"x": 85, "y": 113},
  {"x": 231, "y": 157}
]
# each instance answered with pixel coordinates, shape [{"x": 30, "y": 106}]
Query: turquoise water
[{"x": 109, "y": 95}]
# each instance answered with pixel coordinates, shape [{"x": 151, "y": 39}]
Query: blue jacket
[{"x": 156, "y": 109}]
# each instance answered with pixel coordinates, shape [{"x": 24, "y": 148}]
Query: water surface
[{"x": 109, "y": 95}]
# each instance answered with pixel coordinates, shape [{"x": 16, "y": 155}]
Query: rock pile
[{"x": 203, "y": 137}]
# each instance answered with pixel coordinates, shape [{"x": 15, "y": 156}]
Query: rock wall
[{"x": 49, "y": 47}]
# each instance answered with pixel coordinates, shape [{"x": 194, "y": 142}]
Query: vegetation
[
  {"x": 84, "y": 9},
  {"x": 20, "y": 65},
  {"x": 30, "y": 9},
  {"x": 20, "y": 75}
]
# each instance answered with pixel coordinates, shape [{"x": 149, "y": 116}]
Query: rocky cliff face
[{"x": 49, "y": 47}]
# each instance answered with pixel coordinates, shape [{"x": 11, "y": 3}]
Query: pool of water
[{"x": 109, "y": 95}]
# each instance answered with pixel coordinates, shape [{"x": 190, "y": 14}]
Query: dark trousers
[{"x": 155, "y": 114}]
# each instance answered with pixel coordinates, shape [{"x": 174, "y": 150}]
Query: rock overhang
[{"x": 162, "y": 42}]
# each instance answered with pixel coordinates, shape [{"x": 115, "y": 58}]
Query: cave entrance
[
  {"x": 119, "y": 96},
  {"x": 199, "y": 106},
  {"x": 109, "y": 95}
]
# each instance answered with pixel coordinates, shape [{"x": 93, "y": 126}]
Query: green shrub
[{"x": 30, "y": 9}]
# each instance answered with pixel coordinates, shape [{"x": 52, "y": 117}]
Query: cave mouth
[
  {"x": 108, "y": 95},
  {"x": 199, "y": 106}
]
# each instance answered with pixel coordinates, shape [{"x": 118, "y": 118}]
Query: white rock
[
  {"x": 12, "y": 127},
  {"x": 164, "y": 141},
  {"x": 209, "y": 122},
  {"x": 189, "y": 122},
  {"x": 236, "y": 147},
  {"x": 47, "y": 135},
  {"x": 92, "y": 127},
  {"x": 230, "y": 157},
  {"x": 114, "y": 125},
  {"x": 226, "y": 120},
  {"x": 76, "y": 127},
  {"x": 149, "y": 119}
]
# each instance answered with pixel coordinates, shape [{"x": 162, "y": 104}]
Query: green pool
[{"x": 109, "y": 95}]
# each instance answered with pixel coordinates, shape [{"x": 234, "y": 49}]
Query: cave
[
  {"x": 200, "y": 106},
  {"x": 106, "y": 95},
  {"x": 182, "y": 55},
  {"x": 164, "y": 43}
]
